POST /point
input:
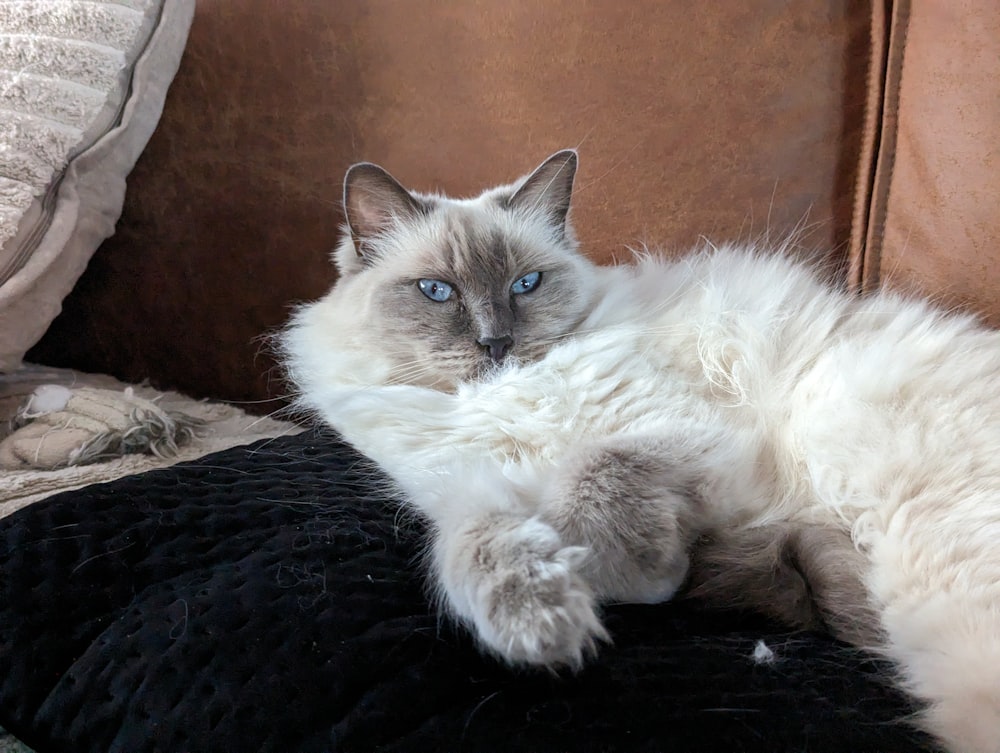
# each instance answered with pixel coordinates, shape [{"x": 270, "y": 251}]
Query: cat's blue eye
[
  {"x": 527, "y": 283},
  {"x": 435, "y": 290}
]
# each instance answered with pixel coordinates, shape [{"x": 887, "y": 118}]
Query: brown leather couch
[{"x": 872, "y": 128}]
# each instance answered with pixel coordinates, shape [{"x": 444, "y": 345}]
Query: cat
[{"x": 727, "y": 421}]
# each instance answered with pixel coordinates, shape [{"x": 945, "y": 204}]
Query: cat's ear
[
  {"x": 549, "y": 187},
  {"x": 374, "y": 201}
]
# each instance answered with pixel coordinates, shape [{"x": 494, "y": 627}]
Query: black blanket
[{"x": 266, "y": 598}]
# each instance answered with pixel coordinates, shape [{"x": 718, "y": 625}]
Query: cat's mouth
[{"x": 487, "y": 367}]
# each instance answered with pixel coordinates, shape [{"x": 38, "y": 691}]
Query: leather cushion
[{"x": 935, "y": 215}]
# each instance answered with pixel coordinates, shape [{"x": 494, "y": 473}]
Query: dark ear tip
[
  {"x": 570, "y": 156},
  {"x": 361, "y": 169},
  {"x": 566, "y": 156},
  {"x": 367, "y": 174}
]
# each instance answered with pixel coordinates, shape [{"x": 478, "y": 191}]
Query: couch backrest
[
  {"x": 931, "y": 221},
  {"x": 724, "y": 120}
]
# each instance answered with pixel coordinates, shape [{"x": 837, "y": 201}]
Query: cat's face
[{"x": 448, "y": 290}]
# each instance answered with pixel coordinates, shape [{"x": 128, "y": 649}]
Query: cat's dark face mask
[{"x": 460, "y": 288}]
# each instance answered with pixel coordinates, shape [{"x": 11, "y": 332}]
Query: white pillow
[{"x": 82, "y": 84}]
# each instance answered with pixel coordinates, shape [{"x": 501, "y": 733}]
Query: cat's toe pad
[{"x": 533, "y": 607}]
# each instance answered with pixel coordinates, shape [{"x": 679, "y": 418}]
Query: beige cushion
[
  {"x": 223, "y": 426},
  {"x": 82, "y": 86}
]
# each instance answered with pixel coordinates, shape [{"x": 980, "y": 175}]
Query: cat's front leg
[
  {"x": 635, "y": 503},
  {"x": 519, "y": 586}
]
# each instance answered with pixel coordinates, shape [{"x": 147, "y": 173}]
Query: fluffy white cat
[{"x": 578, "y": 434}]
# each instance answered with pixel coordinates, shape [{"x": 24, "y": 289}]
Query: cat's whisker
[{"x": 414, "y": 369}]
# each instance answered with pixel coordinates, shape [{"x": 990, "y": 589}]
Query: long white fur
[{"x": 879, "y": 415}]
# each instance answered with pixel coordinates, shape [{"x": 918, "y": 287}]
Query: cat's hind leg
[{"x": 809, "y": 577}]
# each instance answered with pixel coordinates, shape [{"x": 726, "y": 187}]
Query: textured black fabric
[{"x": 266, "y": 599}]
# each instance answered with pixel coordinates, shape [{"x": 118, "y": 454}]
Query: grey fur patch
[
  {"x": 807, "y": 577},
  {"x": 636, "y": 507},
  {"x": 480, "y": 256},
  {"x": 635, "y": 504}
]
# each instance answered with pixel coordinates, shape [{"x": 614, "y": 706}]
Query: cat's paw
[{"x": 530, "y": 604}]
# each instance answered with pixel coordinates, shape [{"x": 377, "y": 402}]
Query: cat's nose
[{"x": 497, "y": 346}]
